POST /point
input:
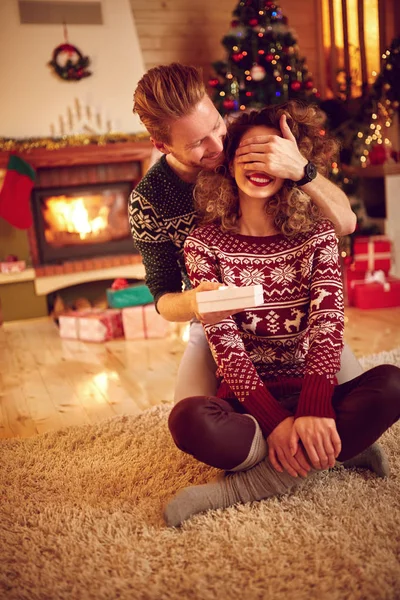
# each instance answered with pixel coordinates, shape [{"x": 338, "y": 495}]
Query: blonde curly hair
[{"x": 216, "y": 192}]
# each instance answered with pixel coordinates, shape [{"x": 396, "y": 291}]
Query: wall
[
  {"x": 33, "y": 98},
  {"x": 191, "y": 32}
]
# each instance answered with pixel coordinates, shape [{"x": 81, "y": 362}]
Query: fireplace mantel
[
  {"x": 92, "y": 154},
  {"x": 72, "y": 166}
]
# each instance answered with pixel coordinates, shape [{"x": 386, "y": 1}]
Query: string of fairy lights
[{"x": 381, "y": 113}]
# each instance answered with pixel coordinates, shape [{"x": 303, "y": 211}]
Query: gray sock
[
  {"x": 259, "y": 482},
  {"x": 373, "y": 458},
  {"x": 258, "y": 449}
]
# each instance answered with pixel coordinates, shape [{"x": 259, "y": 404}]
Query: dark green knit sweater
[{"x": 161, "y": 215}]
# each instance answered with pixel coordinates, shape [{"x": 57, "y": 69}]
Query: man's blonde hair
[{"x": 166, "y": 93}]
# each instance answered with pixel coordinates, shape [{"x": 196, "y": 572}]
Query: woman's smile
[{"x": 259, "y": 179}]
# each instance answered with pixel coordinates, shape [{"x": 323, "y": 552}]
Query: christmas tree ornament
[
  {"x": 258, "y": 72},
  {"x": 237, "y": 57},
  {"x": 379, "y": 154},
  {"x": 295, "y": 85},
  {"x": 230, "y": 104},
  {"x": 68, "y": 61},
  {"x": 234, "y": 88},
  {"x": 15, "y": 195},
  {"x": 213, "y": 82}
]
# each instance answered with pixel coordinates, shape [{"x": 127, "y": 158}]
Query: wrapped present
[
  {"x": 350, "y": 279},
  {"x": 101, "y": 326},
  {"x": 376, "y": 291},
  {"x": 15, "y": 266},
  {"x": 69, "y": 323},
  {"x": 230, "y": 298},
  {"x": 132, "y": 295},
  {"x": 372, "y": 253},
  {"x": 144, "y": 322}
]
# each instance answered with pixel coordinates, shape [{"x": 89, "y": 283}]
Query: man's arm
[
  {"x": 332, "y": 202},
  {"x": 280, "y": 157},
  {"x": 184, "y": 307},
  {"x": 176, "y": 307}
]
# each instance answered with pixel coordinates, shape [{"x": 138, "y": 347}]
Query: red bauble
[
  {"x": 378, "y": 154},
  {"x": 309, "y": 84},
  {"x": 228, "y": 104},
  {"x": 296, "y": 85},
  {"x": 235, "y": 23},
  {"x": 237, "y": 57},
  {"x": 269, "y": 57},
  {"x": 253, "y": 22},
  {"x": 213, "y": 82}
]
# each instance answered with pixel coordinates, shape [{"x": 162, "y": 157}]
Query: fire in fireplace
[{"x": 82, "y": 222}]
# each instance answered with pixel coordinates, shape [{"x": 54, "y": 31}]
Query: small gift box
[
  {"x": 68, "y": 324},
  {"x": 230, "y": 298},
  {"x": 101, "y": 327},
  {"x": 132, "y": 295},
  {"x": 144, "y": 322},
  {"x": 351, "y": 279},
  {"x": 373, "y": 253},
  {"x": 16, "y": 266},
  {"x": 377, "y": 291}
]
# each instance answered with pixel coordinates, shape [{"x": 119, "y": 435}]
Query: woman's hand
[
  {"x": 320, "y": 440},
  {"x": 285, "y": 453}
]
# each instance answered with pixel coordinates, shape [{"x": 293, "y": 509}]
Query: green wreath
[{"x": 73, "y": 69}]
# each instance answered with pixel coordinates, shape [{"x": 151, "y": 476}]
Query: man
[{"x": 185, "y": 126}]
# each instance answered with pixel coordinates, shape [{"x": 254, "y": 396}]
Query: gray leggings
[{"x": 196, "y": 373}]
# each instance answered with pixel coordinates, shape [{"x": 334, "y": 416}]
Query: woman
[{"x": 277, "y": 362}]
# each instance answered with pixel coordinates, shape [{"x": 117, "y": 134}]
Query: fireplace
[
  {"x": 82, "y": 221},
  {"x": 80, "y": 208}
]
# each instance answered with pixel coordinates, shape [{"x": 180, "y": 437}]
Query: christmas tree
[{"x": 263, "y": 64}]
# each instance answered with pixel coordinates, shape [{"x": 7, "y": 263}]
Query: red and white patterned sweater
[{"x": 291, "y": 344}]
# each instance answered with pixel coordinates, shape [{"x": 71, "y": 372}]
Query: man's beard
[{"x": 204, "y": 163}]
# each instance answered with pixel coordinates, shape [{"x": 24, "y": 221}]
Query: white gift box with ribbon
[{"x": 230, "y": 298}]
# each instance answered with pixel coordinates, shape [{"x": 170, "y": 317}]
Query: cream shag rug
[{"x": 80, "y": 518}]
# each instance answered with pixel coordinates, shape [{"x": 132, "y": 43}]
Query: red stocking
[{"x": 16, "y": 192}]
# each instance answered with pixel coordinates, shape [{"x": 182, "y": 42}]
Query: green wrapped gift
[{"x": 133, "y": 295}]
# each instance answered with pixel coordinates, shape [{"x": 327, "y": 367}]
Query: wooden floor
[{"x": 47, "y": 383}]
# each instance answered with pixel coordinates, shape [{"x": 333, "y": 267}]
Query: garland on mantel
[{"x": 28, "y": 144}]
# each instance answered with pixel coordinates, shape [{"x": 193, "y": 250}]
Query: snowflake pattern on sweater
[{"x": 291, "y": 344}]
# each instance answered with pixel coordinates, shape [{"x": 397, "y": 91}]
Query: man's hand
[
  {"x": 209, "y": 318},
  {"x": 272, "y": 154},
  {"x": 285, "y": 451},
  {"x": 320, "y": 440}
]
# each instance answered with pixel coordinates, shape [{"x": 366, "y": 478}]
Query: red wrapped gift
[
  {"x": 372, "y": 253},
  {"x": 374, "y": 294},
  {"x": 102, "y": 326},
  {"x": 350, "y": 280}
]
